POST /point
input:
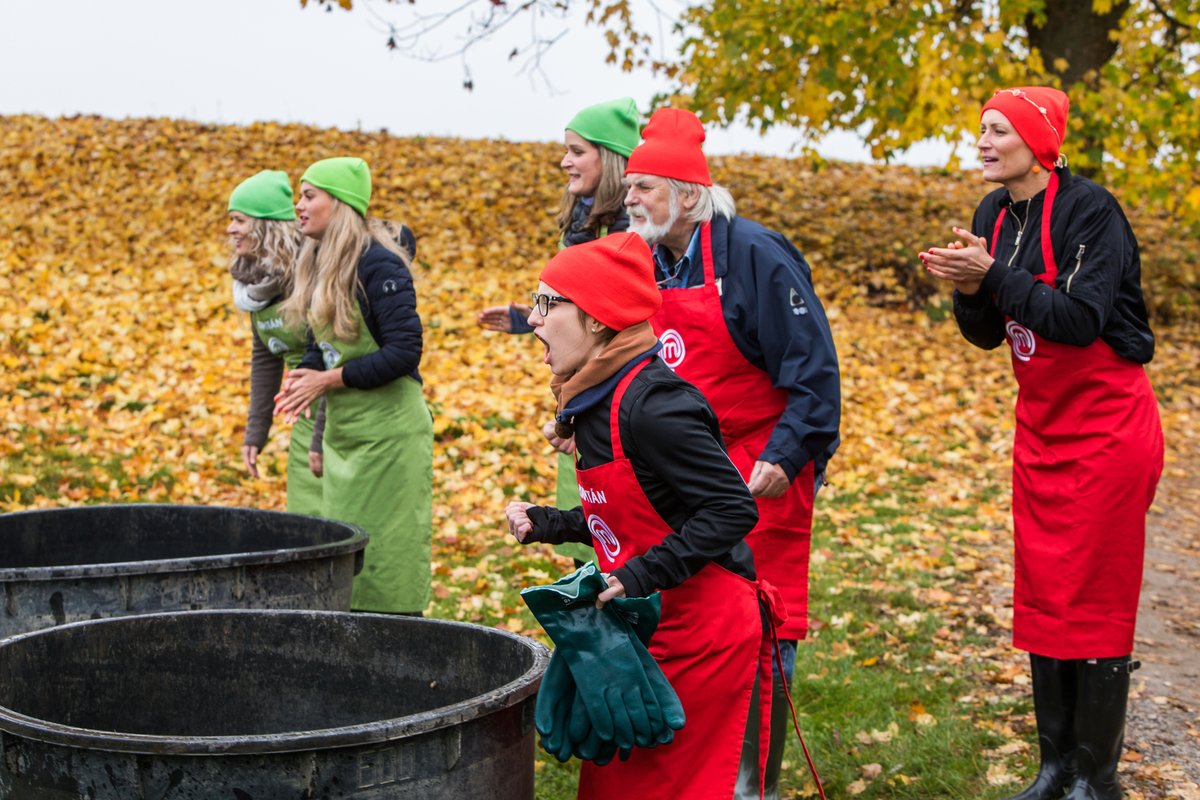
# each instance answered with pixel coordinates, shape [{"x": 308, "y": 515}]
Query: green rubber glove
[
  {"x": 551, "y": 714},
  {"x": 643, "y": 614},
  {"x": 627, "y": 698}
]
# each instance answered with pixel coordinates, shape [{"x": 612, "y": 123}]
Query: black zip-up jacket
[
  {"x": 1098, "y": 290},
  {"x": 671, "y": 437},
  {"x": 577, "y": 231},
  {"x": 388, "y": 302}
]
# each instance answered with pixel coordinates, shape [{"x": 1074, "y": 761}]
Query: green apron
[
  {"x": 566, "y": 496},
  {"x": 379, "y": 476},
  {"x": 288, "y": 343}
]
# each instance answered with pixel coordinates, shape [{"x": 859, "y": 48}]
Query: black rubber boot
[
  {"x": 746, "y": 787},
  {"x": 781, "y": 728},
  {"x": 1100, "y": 726},
  {"x": 1054, "y": 692}
]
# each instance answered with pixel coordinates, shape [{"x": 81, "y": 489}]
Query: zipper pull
[{"x": 1078, "y": 264}]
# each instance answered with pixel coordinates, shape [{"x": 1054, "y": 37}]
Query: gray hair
[{"x": 712, "y": 201}]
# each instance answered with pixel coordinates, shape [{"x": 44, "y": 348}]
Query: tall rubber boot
[
  {"x": 781, "y": 726},
  {"x": 1100, "y": 726},
  {"x": 746, "y": 787},
  {"x": 1054, "y": 690}
]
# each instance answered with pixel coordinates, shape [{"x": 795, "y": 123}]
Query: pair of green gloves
[{"x": 603, "y": 693}]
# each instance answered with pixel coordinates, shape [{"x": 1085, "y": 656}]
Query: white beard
[{"x": 653, "y": 234}]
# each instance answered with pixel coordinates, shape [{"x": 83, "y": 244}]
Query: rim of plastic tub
[
  {"x": 497, "y": 699},
  {"x": 356, "y": 539}
]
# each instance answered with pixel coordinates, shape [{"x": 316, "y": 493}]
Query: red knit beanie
[
  {"x": 1039, "y": 115},
  {"x": 670, "y": 148},
  {"x": 611, "y": 278}
]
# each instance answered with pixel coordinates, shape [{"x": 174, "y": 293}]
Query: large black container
[
  {"x": 268, "y": 705},
  {"x": 71, "y": 564}
]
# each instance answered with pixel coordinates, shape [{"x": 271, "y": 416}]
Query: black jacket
[
  {"x": 577, "y": 231},
  {"x": 388, "y": 303},
  {"x": 1098, "y": 290},
  {"x": 671, "y": 437}
]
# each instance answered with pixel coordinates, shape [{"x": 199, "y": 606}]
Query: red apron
[
  {"x": 708, "y": 642},
  {"x": 1087, "y": 456},
  {"x": 697, "y": 345}
]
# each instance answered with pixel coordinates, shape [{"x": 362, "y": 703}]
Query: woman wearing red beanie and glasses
[
  {"x": 668, "y": 508},
  {"x": 1051, "y": 265}
]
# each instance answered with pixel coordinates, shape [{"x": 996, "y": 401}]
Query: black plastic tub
[
  {"x": 71, "y": 564},
  {"x": 268, "y": 705}
]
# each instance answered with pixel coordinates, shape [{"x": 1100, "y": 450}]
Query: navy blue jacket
[
  {"x": 778, "y": 324},
  {"x": 388, "y": 303}
]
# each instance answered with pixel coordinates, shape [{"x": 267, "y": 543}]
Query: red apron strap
[
  {"x": 614, "y": 432},
  {"x": 1048, "y": 261},
  {"x": 996, "y": 232},
  {"x": 706, "y": 253}
]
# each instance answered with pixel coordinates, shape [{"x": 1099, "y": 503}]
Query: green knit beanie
[
  {"x": 267, "y": 195},
  {"x": 347, "y": 179},
  {"x": 613, "y": 125}
]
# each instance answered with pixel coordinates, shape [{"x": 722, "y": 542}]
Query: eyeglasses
[{"x": 544, "y": 302}]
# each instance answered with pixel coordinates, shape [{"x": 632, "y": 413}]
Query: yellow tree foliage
[{"x": 899, "y": 73}]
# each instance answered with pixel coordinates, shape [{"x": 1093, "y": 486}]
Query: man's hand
[{"x": 767, "y": 480}]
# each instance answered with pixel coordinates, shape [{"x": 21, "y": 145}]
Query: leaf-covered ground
[{"x": 123, "y": 370}]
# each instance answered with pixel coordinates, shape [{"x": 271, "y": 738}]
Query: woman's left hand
[
  {"x": 301, "y": 387},
  {"x": 963, "y": 263},
  {"x": 615, "y": 589}
]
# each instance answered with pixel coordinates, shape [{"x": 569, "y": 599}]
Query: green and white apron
[
  {"x": 566, "y": 496},
  {"x": 379, "y": 476},
  {"x": 288, "y": 343}
]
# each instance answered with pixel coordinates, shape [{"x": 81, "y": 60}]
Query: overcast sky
[{"x": 239, "y": 61}]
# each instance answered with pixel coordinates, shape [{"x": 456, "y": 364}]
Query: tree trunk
[
  {"x": 1077, "y": 35},
  {"x": 1076, "y": 39}
]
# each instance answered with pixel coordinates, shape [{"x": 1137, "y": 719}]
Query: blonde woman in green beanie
[
  {"x": 597, "y": 143},
  {"x": 266, "y": 241},
  {"x": 354, "y": 290}
]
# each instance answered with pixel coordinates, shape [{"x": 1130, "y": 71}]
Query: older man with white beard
[{"x": 740, "y": 321}]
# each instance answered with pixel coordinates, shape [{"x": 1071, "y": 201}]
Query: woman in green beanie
[
  {"x": 266, "y": 241},
  {"x": 597, "y": 143},
  {"x": 354, "y": 290}
]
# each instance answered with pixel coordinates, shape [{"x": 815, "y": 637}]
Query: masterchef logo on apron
[
  {"x": 1022, "y": 340},
  {"x": 673, "y": 350},
  {"x": 329, "y": 354},
  {"x": 604, "y": 535}
]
